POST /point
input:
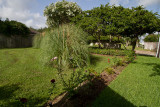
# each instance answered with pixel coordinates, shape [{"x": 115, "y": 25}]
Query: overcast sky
[{"x": 30, "y": 12}]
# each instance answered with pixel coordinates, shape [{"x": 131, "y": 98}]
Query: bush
[
  {"x": 109, "y": 70},
  {"x": 130, "y": 56},
  {"x": 151, "y": 38},
  {"x": 113, "y": 52},
  {"x": 120, "y": 63}
]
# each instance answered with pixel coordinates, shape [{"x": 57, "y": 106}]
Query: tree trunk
[
  {"x": 124, "y": 46},
  {"x": 99, "y": 42},
  {"x": 133, "y": 42}
]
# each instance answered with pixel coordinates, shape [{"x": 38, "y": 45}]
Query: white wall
[{"x": 151, "y": 45}]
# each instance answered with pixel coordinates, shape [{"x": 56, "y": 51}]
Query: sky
[{"x": 30, "y": 12}]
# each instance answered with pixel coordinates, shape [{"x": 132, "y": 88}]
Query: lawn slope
[
  {"x": 22, "y": 76},
  {"x": 137, "y": 85}
]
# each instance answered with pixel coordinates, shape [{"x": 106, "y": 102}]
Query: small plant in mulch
[
  {"x": 121, "y": 63},
  {"x": 130, "y": 56},
  {"x": 109, "y": 70}
]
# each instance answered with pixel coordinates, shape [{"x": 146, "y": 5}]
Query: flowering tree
[{"x": 61, "y": 12}]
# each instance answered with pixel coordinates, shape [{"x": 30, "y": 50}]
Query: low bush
[
  {"x": 109, "y": 70},
  {"x": 113, "y": 52},
  {"x": 121, "y": 63},
  {"x": 151, "y": 38},
  {"x": 130, "y": 56}
]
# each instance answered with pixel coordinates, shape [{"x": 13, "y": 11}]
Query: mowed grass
[
  {"x": 138, "y": 85},
  {"x": 23, "y": 76}
]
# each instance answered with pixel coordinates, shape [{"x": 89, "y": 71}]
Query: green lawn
[
  {"x": 22, "y": 76},
  {"x": 138, "y": 85}
]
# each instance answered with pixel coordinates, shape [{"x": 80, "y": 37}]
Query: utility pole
[{"x": 158, "y": 49}]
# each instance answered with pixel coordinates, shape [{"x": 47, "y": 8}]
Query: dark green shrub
[
  {"x": 113, "y": 52},
  {"x": 115, "y": 60},
  {"x": 130, "y": 55},
  {"x": 120, "y": 63},
  {"x": 13, "y": 28},
  {"x": 151, "y": 38}
]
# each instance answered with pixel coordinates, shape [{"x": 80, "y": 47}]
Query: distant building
[{"x": 151, "y": 45}]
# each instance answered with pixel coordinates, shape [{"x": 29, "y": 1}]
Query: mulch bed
[{"x": 87, "y": 92}]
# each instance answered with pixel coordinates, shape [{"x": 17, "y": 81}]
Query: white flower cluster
[{"x": 61, "y": 9}]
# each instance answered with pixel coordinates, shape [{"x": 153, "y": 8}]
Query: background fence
[{"x": 16, "y": 41}]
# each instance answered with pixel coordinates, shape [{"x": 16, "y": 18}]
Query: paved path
[{"x": 146, "y": 53}]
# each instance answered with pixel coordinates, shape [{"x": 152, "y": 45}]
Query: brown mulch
[{"x": 87, "y": 93}]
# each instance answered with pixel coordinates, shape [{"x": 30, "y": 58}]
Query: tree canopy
[
  {"x": 151, "y": 38},
  {"x": 118, "y": 21},
  {"x": 13, "y": 28},
  {"x": 105, "y": 20},
  {"x": 61, "y": 12}
]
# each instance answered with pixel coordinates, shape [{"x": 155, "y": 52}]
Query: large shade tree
[
  {"x": 118, "y": 21},
  {"x": 138, "y": 23},
  {"x": 131, "y": 23}
]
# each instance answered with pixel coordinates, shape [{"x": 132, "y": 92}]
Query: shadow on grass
[
  {"x": 96, "y": 94},
  {"x": 31, "y": 102},
  {"x": 7, "y": 91},
  {"x": 9, "y": 99},
  {"x": 95, "y": 59},
  {"x": 110, "y": 98},
  {"x": 146, "y": 55},
  {"x": 156, "y": 68}
]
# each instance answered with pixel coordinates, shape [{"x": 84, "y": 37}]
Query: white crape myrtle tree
[{"x": 61, "y": 12}]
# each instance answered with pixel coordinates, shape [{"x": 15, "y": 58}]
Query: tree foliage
[
  {"x": 151, "y": 38},
  {"x": 13, "y": 28},
  {"x": 118, "y": 21},
  {"x": 61, "y": 12}
]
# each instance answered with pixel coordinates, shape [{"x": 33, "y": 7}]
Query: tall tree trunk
[
  {"x": 99, "y": 42},
  {"x": 133, "y": 42}
]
